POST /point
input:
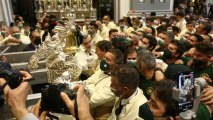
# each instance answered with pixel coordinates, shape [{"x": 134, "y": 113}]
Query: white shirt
[{"x": 86, "y": 60}]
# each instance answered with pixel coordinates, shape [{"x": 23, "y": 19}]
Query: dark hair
[
  {"x": 161, "y": 29},
  {"x": 175, "y": 29},
  {"x": 118, "y": 55},
  {"x": 180, "y": 13},
  {"x": 152, "y": 42},
  {"x": 104, "y": 45},
  {"x": 163, "y": 91},
  {"x": 190, "y": 22},
  {"x": 153, "y": 30},
  {"x": 93, "y": 24},
  {"x": 121, "y": 20},
  {"x": 198, "y": 36},
  {"x": 151, "y": 19},
  {"x": 119, "y": 44},
  {"x": 112, "y": 30},
  {"x": 127, "y": 75},
  {"x": 129, "y": 51},
  {"x": 137, "y": 21},
  {"x": 205, "y": 47},
  {"x": 180, "y": 47},
  {"x": 207, "y": 27}
]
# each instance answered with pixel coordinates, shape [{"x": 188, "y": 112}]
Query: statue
[{"x": 58, "y": 51}]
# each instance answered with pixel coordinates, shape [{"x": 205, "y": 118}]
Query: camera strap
[{"x": 76, "y": 108}]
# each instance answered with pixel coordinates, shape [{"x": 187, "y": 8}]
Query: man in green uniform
[
  {"x": 201, "y": 64},
  {"x": 146, "y": 67}
]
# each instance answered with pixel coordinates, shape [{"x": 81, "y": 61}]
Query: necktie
[{"x": 119, "y": 109}]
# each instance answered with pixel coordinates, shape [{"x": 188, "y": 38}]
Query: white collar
[{"x": 126, "y": 101}]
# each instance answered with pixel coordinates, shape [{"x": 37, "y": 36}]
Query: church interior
[{"x": 106, "y": 59}]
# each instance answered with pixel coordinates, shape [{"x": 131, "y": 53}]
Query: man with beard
[
  {"x": 194, "y": 39},
  {"x": 173, "y": 53},
  {"x": 201, "y": 64}
]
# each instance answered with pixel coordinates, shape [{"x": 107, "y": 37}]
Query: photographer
[
  {"x": 83, "y": 103},
  {"x": 16, "y": 98}
]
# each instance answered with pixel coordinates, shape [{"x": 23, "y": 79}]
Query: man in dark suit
[{"x": 35, "y": 41}]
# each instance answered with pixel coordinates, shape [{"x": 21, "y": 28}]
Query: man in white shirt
[
  {"x": 124, "y": 84},
  {"x": 102, "y": 99},
  {"x": 86, "y": 26},
  {"x": 181, "y": 24},
  {"x": 93, "y": 29},
  {"x": 109, "y": 24},
  {"x": 103, "y": 31},
  {"x": 122, "y": 28},
  {"x": 15, "y": 37},
  {"x": 113, "y": 33},
  {"x": 87, "y": 57}
]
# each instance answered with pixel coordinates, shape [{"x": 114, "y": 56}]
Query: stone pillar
[
  {"x": 6, "y": 11},
  {"x": 124, "y": 7}
]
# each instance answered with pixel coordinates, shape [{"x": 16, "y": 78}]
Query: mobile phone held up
[{"x": 186, "y": 90}]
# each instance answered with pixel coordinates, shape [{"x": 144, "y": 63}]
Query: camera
[
  {"x": 51, "y": 100},
  {"x": 186, "y": 88},
  {"x": 189, "y": 108},
  {"x": 13, "y": 77}
]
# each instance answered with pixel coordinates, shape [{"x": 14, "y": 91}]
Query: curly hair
[
  {"x": 127, "y": 75},
  {"x": 163, "y": 91},
  {"x": 205, "y": 47}
]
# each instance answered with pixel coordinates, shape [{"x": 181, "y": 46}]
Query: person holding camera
[{"x": 16, "y": 98}]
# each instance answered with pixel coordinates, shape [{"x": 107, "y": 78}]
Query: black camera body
[
  {"x": 51, "y": 100},
  {"x": 13, "y": 77}
]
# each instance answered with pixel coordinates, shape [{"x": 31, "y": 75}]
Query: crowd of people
[{"x": 131, "y": 67}]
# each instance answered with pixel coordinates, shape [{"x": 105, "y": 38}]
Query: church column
[
  {"x": 121, "y": 8},
  {"x": 6, "y": 11}
]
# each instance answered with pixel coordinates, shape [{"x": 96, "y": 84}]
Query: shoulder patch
[
  {"x": 149, "y": 90},
  {"x": 204, "y": 75}
]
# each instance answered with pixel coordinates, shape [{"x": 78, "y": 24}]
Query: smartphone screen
[{"x": 186, "y": 88}]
